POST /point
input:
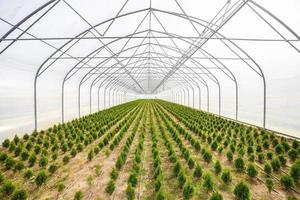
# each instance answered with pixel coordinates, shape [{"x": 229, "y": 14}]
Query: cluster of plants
[
  {"x": 194, "y": 140},
  {"x": 258, "y": 146},
  {"x": 36, "y": 157},
  {"x": 136, "y": 164},
  {"x": 118, "y": 130},
  {"x": 158, "y": 173},
  {"x": 207, "y": 180},
  {"x": 122, "y": 157},
  {"x": 184, "y": 182},
  {"x": 9, "y": 189}
]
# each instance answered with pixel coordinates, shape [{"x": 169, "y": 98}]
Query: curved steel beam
[{"x": 290, "y": 30}]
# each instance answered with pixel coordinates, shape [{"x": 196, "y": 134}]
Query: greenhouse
[{"x": 150, "y": 99}]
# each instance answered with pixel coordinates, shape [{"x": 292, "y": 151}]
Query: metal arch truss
[{"x": 151, "y": 67}]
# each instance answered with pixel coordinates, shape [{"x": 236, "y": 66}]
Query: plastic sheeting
[{"x": 133, "y": 46}]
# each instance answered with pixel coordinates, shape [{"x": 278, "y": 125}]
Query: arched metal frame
[{"x": 121, "y": 79}]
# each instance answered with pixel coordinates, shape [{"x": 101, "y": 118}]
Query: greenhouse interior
[{"x": 150, "y": 99}]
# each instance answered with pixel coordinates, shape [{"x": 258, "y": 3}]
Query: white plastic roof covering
[{"x": 225, "y": 49}]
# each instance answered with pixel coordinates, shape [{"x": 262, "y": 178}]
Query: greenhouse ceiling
[{"x": 62, "y": 59}]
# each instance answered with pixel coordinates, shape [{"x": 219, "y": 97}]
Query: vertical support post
[
  {"x": 63, "y": 103},
  {"x": 79, "y": 88}
]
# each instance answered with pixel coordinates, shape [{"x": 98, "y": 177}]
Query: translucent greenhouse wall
[{"x": 278, "y": 59}]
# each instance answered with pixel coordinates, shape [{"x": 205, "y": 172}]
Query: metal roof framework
[{"x": 172, "y": 69}]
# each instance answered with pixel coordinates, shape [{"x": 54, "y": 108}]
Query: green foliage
[
  {"x": 28, "y": 174},
  {"x": 250, "y": 150},
  {"x": 279, "y": 149},
  {"x": 19, "y": 166},
  {"x": 90, "y": 180},
  {"x": 216, "y": 196},
  {"x": 66, "y": 159},
  {"x": 52, "y": 168},
  {"x": 293, "y": 154},
  {"x": 97, "y": 170},
  {"x": 110, "y": 187},
  {"x": 73, "y": 152},
  {"x": 241, "y": 152},
  {"x": 191, "y": 163},
  {"x": 114, "y": 174},
  {"x": 270, "y": 184},
  {"x": 214, "y": 146},
  {"x": 9, "y": 163},
  {"x": 133, "y": 180},
  {"x": 276, "y": 164},
  {"x": 295, "y": 171},
  {"x": 78, "y": 195},
  {"x": 208, "y": 183},
  {"x": 6, "y": 143},
  {"x": 242, "y": 191},
  {"x": 181, "y": 178},
  {"x": 229, "y": 155},
  {"x": 160, "y": 195},
  {"x": 18, "y": 150},
  {"x": 220, "y": 150},
  {"x": 3, "y": 156},
  {"x": 43, "y": 161},
  {"x": 119, "y": 163},
  {"x": 269, "y": 155},
  {"x": 282, "y": 160},
  {"x": 24, "y": 155},
  {"x": 292, "y": 198},
  {"x": 79, "y": 147},
  {"x": 218, "y": 167},
  {"x": 266, "y": 144},
  {"x": 251, "y": 158},
  {"x": 226, "y": 176},
  {"x": 20, "y": 194},
  {"x": 261, "y": 157},
  {"x": 198, "y": 171},
  {"x": 37, "y": 149},
  {"x": 54, "y": 156},
  {"x": 2, "y": 178},
  {"x": 251, "y": 171},
  {"x": 64, "y": 147},
  {"x": 176, "y": 168},
  {"x": 16, "y": 139},
  {"x": 41, "y": 178},
  {"x": 130, "y": 192},
  {"x": 207, "y": 157},
  {"x": 268, "y": 169},
  {"x": 188, "y": 190},
  {"x": 90, "y": 155},
  {"x": 60, "y": 186},
  {"x": 7, "y": 188},
  {"x": 96, "y": 150},
  {"x": 215, "y": 133},
  {"x": 197, "y": 146},
  {"x": 287, "y": 182},
  {"x": 239, "y": 164}
]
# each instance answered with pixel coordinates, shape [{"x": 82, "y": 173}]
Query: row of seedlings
[
  {"x": 136, "y": 164},
  {"x": 184, "y": 183},
  {"x": 118, "y": 131},
  {"x": 158, "y": 173},
  {"x": 121, "y": 159}
]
